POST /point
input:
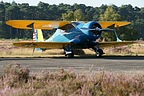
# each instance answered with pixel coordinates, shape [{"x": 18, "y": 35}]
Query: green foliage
[
  {"x": 68, "y": 16},
  {"x": 80, "y": 12},
  {"x": 77, "y": 15},
  {"x": 110, "y": 15},
  {"x": 2, "y": 12}
]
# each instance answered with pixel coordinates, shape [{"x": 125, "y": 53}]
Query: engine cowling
[
  {"x": 94, "y": 26},
  {"x": 90, "y": 30}
]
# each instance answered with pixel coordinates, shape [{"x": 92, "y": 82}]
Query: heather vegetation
[{"x": 17, "y": 81}]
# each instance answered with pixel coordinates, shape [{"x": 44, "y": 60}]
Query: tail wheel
[
  {"x": 71, "y": 55},
  {"x": 99, "y": 53}
]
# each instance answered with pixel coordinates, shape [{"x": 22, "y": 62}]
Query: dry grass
[
  {"x": 8, "y": 50},
  {"x": 130, "y": 50},
  {"x": 16, "y": 81}
]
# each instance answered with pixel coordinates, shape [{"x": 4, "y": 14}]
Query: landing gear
[
  {"x": 69, "y": 52},
  {"x": 99, "y": 53},
  {"x": 70, "y": 55},
  {"x": 98, "y": 50}
]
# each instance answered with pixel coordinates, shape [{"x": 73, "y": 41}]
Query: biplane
[{"x": 69, "y": 36}]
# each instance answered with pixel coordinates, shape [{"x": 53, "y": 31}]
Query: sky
[{"x": 94, "y": 3}]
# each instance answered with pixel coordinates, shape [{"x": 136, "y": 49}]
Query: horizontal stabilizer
[{"x": 50, "y": 45}]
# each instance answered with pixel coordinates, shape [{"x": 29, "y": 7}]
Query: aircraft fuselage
[{"x": 77, "y": 36}]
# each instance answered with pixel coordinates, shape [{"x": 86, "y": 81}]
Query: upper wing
[
  {"x": 115, "y": 44},
  {"x": 38, "y": 24},
  {"x": 50, "y": 45},
  {"x": 49, "y": 25},
  {"x": 106, "y": 24}
]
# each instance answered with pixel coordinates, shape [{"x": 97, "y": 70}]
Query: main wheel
[
  {"x": 99, "y": 53},
  {"x": 71, "y": 55}
]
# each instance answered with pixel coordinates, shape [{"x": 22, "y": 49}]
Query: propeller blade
[
  {"x": 108, "y": 30},
  {"x": 87, "y": 29},
  {"x": 97, "y": 29}
]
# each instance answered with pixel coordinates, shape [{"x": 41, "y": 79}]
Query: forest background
[{"x": 75, "y": 12}]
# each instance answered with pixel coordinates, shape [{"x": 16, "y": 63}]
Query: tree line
[{"x": 75, "y": 12}]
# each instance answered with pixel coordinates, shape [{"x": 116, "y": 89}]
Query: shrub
[
  {"x": 17, "y": 81},
  {"x": 15, "y": 75}
]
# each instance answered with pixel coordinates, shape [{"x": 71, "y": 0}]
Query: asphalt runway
[{"x": 79, "y": 64}]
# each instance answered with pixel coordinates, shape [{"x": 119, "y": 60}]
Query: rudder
[{"x": 38, "y": 37}]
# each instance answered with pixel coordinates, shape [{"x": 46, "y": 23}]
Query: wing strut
[
  {"x": 33, "y": 51},
  {"x": 112, "y": 30},
  {"x": 107, "y": 30},
  {"x": 117, "y": 38},
  {"x": 32, "y": 26}
]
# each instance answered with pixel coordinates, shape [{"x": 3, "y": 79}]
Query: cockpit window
[{"x": 67, "y": 26}]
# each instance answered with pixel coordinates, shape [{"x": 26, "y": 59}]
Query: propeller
[{"x": 97, "y": 29}]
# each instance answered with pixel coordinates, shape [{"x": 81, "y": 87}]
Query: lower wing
[
  {"x": 115, "y": 44},
  {"x": 61, "y": 45},
  {"x": 50, "y": 45}
]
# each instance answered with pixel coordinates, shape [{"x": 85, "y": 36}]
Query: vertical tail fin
[{"x": 38, "y": 37}]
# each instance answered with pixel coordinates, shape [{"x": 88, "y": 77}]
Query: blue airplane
[{"x": 69, "y": 35}]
